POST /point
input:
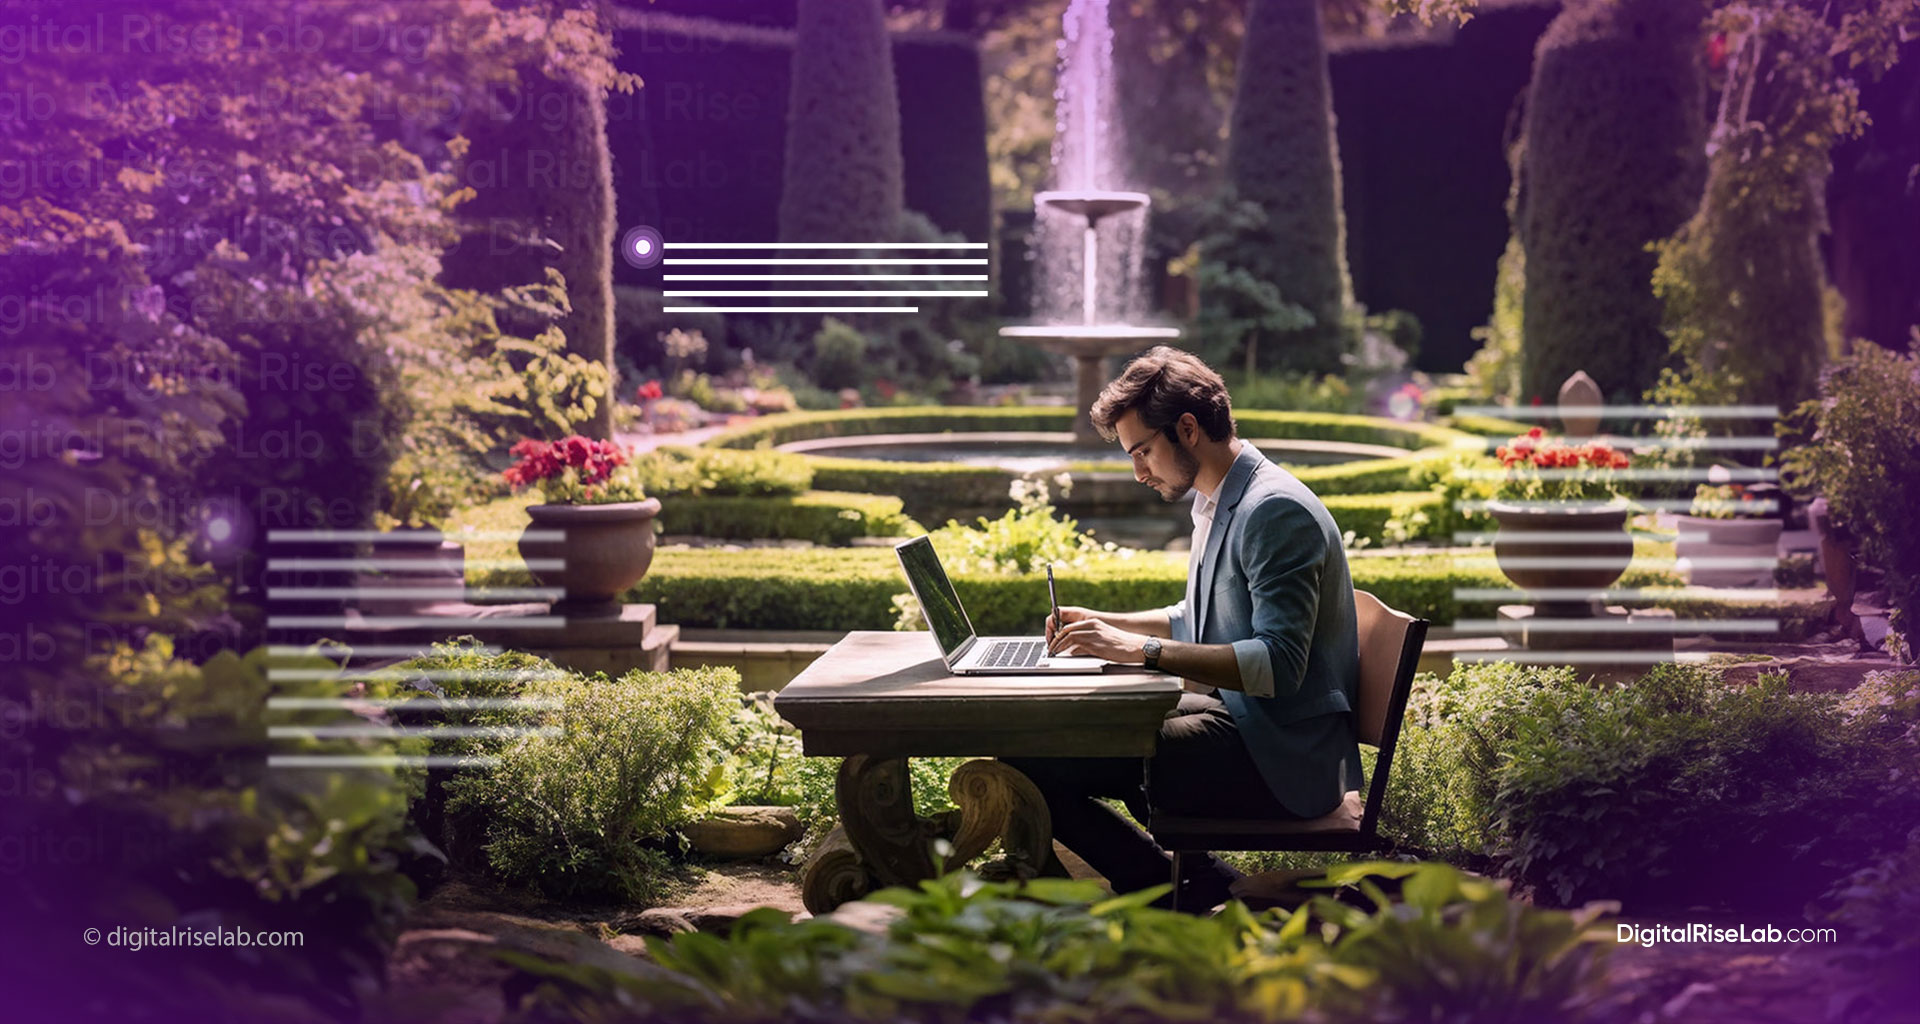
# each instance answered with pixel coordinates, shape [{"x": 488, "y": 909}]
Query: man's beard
[{"x": 1188, "y": 469}]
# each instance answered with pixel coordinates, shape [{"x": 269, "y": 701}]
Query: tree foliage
[
  {"x": 843, "y": 179},
  {"x": 1612, "y": 162},
  {"x": 1282, "y": 157}
]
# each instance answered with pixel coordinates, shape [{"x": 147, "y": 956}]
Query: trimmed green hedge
[
  {"x": 1254, "y": 423},
  {"x": 823, "y": 517},
  {"x": 1491, "y": 426},
  {"x": 921, "y": 485},
  {"x": 853, "y": 588},
  {"x": 1367, "y": 514}
]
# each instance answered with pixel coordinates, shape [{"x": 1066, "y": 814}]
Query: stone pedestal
[
  {"x": 1614, "y": 643},
  {"x": 614, "y": 645},
  {"x": 633, "y": 640}
]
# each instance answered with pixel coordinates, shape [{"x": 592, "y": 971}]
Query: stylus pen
[{"x": 1054, "y": 596}]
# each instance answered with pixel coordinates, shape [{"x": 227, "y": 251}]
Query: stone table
[{"x": 878, "y": 698}]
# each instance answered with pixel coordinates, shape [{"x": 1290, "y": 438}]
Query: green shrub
[
  {"x": 1613, "y": 160},
  {"x": 700, "y": 472},
  {"x": 641, "y": 324},
  {"x": 1294, "y": 392},
  {"x": 839, "y": 355},
  {"x": 1637, "y": 792},
  {"x": 1390, "y": 518},
  {"x": 1282, "y": 158},
  {"x": 1454, "y": 949},
  {"x": 1863, "y": 456},
  {"x": 765, "y": 761},
  {"x": 843, "y": 177},
  {"x": 820, "y": 517},
  {"x": 627, "y": 762}
]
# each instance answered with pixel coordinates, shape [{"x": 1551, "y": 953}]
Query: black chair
[{"x": 1390, "y": 645}]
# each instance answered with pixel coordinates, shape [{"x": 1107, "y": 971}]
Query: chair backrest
[{"x": 1390, "y": 645}]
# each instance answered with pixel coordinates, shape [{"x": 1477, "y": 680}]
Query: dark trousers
[{"x": 1201, "y": 768}]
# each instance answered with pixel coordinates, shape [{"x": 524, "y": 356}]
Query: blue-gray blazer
[{"x": 1273, "y": 582}]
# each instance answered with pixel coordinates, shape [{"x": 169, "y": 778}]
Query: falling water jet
[{"x": 1086, "y": 77}]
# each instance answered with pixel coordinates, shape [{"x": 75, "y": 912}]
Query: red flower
[{"x": 650, "y": 391}]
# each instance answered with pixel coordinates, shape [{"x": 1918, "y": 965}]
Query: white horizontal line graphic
[
  {"x": 1566, "y": 536},
  {"x": 406, "y": 622},
  {"x": 1618, "y": 626},
  {"x": 376, "y": 761},
  {"x": 379, "y": 564},
  {"x": 847, "y": 293},
  {"x": 825, "y": 277},
  {"x": 1657, "y": 504},
  {"x": 720, "y": 261},
  {"x": 823, "y": 245},
  {"x": 1660, "y": 412},
  {"x": 361, "y": 650},
  {"x": 1581, "y": 657},
  {"x": 421, "y": 703},
  {"x": 1623, "y": 594},
  {"x": 383, "y": 537},
  {"x": 450, "y": 732},
  {"x": 1576, "y": 562},
  {"x": 790, "y": 309},
  {"x": 1767, "y": 444},
  {"x": 415, "y": 593},
  {"x": 1732, "y": 475},
  {"x": 394, "y": 673}
]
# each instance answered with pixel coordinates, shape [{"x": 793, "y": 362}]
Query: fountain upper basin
[{"x": 1091, "y": 203}]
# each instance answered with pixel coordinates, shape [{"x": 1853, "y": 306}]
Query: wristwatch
[{"x": 1152, "y": 650}]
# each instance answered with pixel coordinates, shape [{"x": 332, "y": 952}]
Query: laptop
[{"x": 965, "y": 653}]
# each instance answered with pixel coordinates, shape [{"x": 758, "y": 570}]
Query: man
[{"x": 1265, "y": 639}]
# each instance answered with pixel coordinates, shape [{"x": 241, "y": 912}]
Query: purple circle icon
[{"x": 640, "y": 247}]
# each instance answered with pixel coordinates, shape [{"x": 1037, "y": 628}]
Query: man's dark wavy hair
[{"x": 1163, "y": 385}]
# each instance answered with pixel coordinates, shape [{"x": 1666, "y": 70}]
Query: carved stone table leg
[
  {"x": 886, "y": 843},
  {"x": 996, "y": 800},
  {"x": 881, "y": 842}
]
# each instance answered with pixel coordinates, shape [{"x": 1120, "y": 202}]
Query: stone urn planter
[
  {"x": 1548, "y": 548},
  {"x": 593, "y": 552},
  {"x": 1702, "y": 538}
]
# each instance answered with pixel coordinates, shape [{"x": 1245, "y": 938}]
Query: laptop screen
[{"x": 937, "y": 598}]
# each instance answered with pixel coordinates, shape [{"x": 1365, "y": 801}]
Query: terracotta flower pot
[
  {"x": 601, "y": 550},
  {"x": 1552, "y": 547}
]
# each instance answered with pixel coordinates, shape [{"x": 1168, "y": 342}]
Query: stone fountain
[{"x": 1083, "y": 156}]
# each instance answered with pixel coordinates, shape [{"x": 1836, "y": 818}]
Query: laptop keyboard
[{"x": 1014, "y": 654}]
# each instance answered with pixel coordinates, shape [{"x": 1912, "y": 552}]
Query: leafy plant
[
  {"x": 614, "y": 765},
  {"x": 699, "y": 472},
  {"x": 763, "y": 755},
  {"x": 957, "y": 948},
  {"x": 1861, "y": 455},
  {"x": 1026, "y": 540}
]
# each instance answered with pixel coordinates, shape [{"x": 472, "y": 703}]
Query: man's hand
[
  {"x": 1095, "y": 638},
  {"x": 1068, "y": 613}
]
